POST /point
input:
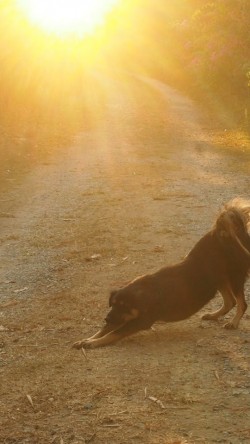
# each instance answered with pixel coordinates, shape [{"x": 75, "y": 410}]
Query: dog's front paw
[
  {"x": 84, "y": 343},
  {"x": 208, "y": 317},
  {"x": 230, "y": 326}
]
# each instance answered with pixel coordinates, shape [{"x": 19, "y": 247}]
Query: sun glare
[{"x": 63, "y": 17}]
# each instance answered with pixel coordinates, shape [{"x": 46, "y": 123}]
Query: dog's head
[
  {"x": 231, "y": 223},
  {"x": 232, "y": 227},
  {"x": 123, "y": 307}
]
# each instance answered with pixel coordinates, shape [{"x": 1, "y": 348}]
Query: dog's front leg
[
  {"x": 125, "y": 330},
  {"x": 102, "y": 332}
]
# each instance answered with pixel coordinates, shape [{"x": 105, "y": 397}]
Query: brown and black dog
[{"x": 220, "y": 261}]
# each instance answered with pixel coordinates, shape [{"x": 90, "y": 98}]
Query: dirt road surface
[{"x": 130, "y": 194}]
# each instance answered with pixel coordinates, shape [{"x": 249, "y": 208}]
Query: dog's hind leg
[
  {"x": 241, "y": 307},
  {"x": 228, "y": 303}
]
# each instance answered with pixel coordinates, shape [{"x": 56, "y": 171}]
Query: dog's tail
[{"x": 234, "y": 223}]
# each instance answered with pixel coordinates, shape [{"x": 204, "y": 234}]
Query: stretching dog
[{"x": 220, "y": 261}]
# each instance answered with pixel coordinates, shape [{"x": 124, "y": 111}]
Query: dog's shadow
[{"x": 165, "y": 335}]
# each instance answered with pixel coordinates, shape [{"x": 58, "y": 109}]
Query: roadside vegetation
[{"x": 200, "y": 46}]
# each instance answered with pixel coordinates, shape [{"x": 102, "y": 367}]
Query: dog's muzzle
[{"x": 113, "y": 318}]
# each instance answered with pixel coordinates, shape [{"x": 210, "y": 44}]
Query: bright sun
[{"x": 67, "y": 16}]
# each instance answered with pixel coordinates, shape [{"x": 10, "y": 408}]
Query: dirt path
[{"x": 125, "y": 198}]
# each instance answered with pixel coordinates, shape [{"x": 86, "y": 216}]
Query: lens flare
[{"x": 79, "y": 17}]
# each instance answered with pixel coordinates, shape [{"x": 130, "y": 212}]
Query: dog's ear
[{"x": 112, "y": 297}]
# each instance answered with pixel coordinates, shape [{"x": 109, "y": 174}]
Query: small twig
[
  {"x": 29, "y": 345},
  {"x": 30, "y": 401},
  {"x": 118, "y": 413},
  {"x": 217, "y": 375},
  {"x": 84, "y": 353},
  {"x": 157, "y": 401},
  {"x": 219, "y": 379},
  {"x": 111, "y": 425},
  {"x": 170, "y": 407},
  {"x": 91, "y": 437},
  {"x": 20, "y": 290}
]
